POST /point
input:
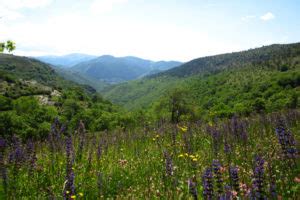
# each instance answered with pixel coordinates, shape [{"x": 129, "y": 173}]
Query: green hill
[
  {"x": 32, "y": 95},
  {"x": 262, "y": 79},
  {"x": 81, "y": 78}
]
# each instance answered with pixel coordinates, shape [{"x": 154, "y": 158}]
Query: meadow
[{"x": 253, "y": 157}]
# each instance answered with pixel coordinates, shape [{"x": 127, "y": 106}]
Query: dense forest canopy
[{"x": 32, "y": 95}]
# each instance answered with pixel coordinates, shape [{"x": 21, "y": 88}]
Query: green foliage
[
  {"x": 5, "y": 103},
  {"x": 174, "y": 106},
  {"x": 32, "y": 95},
  {"x": 259, "y": 80},
  {"x": 9, "y": 46}
]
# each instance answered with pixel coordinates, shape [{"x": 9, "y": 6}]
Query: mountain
[
  {"x": 66, "y": 61},
  {"x": 263, "y": 79},
  {"x": 118, "y": 69},
  {"x": 213, "y": 64},
  {"x": 23, "y": 68}
]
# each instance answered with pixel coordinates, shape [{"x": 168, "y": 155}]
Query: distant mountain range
[
  {"x": 118, "y": 69},
  {"x": 65, "y": 61},
  {"x": 96, "y": 71}
]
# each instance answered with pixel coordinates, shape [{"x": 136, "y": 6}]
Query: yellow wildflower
[
  {"x": 80, "y": 194},
  {"x": 183, "y": 129},
  {"x": 180, "y": 156},
  {"x": 67, "y": 192},
  {"x": 186, "y": 154},
  {"x": 194, "y": 159},
  {"x": 157, "y": 136},
  {"x": 73, "y": 197}
]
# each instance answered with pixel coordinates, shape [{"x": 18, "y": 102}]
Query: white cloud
[
  {"x": 103, "y": 6},
  {"x": 119, "y": 38},
  {"x": 268, "y": 16},
  {"x": 248, "y": 17}
]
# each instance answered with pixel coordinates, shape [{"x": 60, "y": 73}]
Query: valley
[{"x": 150, "y": 100}]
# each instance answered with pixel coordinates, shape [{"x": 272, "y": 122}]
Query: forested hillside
[
  {"x": 32, "y": 95},
  {"x": 258, "y": 80},
  {"x": 81, "y": 78}
]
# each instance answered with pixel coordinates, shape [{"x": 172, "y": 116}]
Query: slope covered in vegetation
[
  {"x": 263, "y": 79},
  {"x": 32, "y": 95}
]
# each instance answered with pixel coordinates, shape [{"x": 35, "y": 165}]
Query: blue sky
[{"x": 153, "y": 29}]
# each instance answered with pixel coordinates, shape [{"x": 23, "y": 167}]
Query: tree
[
  {"x": 178, "y": 103},
  {"x": 9, "y": 46}
]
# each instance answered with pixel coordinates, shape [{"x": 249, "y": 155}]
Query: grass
[{"x": 156, "y": 162}]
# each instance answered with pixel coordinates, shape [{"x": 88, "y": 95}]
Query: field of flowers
[{"x": 240, "y": 158}]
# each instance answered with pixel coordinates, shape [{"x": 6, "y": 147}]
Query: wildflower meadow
[{"x": 239, "y": 158}]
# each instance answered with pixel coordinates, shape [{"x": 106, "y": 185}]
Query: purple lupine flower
[
  {"x": 291, "y": 143},
  {"x": 17, "y": 154},
  {"x": 272, "y": 190},
  {"x": 2, "y": 144},
  {"x": 218, "y": 176},
  {"x": 244, "y": 133},
  {"x": 192, "y": 185},
  {"x": 31, "y": 157},
  {"x": 55, "y": 127},
  {"x": 258, "y": 178},
  {"x": 227, "y": 147},
  {"x": 286, "y": 140},
  {"x": 55, "y": 136},
  {"x": 228, "y": 193},
  {"x": 168, "y": 164},
  {"x": 207, "y": 181},
  {"x": 216, "y": 138},
  {"x": 69, "y": 152},
  {"x": 2, "y": 165},
  {"x": 234, "y": 126},
  {"x": 69, "y": 189},
  {"x": 234, "y": 178}
]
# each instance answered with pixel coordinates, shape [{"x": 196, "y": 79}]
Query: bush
[{"x": 5, "y": 103}]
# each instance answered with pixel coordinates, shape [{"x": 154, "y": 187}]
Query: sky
[{"x": 152, "y": 29}]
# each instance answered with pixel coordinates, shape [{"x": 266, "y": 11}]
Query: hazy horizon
[{"x": 151, "y": 30}]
